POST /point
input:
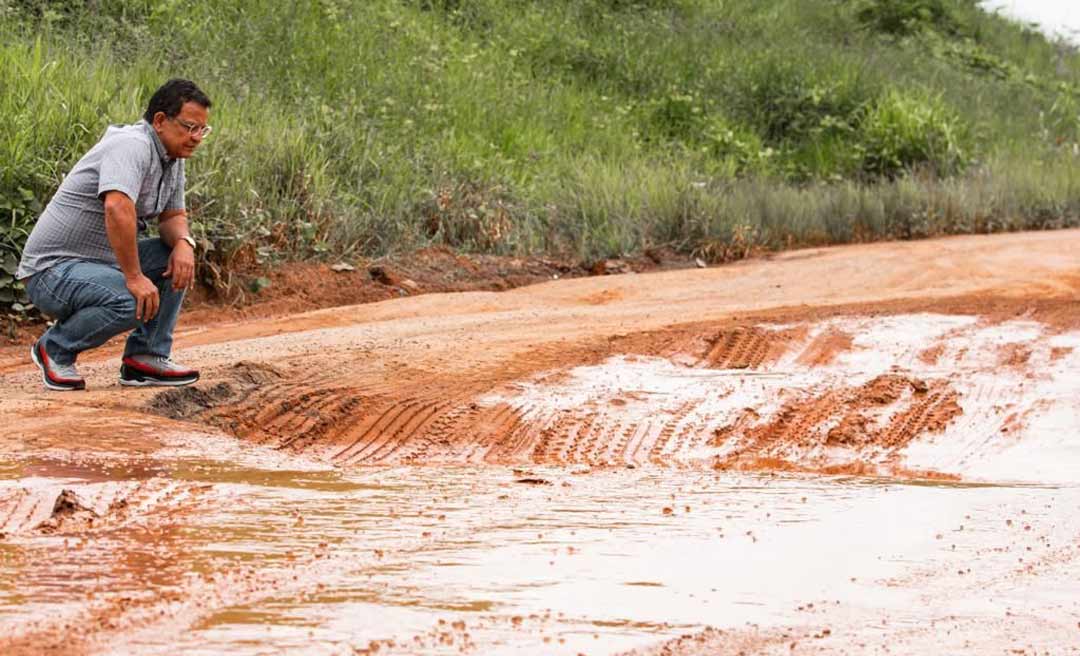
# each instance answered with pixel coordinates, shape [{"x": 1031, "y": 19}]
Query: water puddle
[{"x": 470, "y": 560}]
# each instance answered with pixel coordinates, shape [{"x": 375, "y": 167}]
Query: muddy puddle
[
  {"x": 256, "y": 553},
  {"x": 856, "y": 484}
]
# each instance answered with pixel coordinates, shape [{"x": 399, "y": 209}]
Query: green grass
[{"x": 582, "y": 128}]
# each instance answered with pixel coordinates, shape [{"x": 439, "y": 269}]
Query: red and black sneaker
[
  {"x": 59, "y": 377},
  {"x": 148, "y": 370}
]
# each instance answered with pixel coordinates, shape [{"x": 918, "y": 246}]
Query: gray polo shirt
[{"x": 130, "y": 159}]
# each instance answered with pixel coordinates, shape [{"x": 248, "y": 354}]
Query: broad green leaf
[{"x": 9, "y": 264}]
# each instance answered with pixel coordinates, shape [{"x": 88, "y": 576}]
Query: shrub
[
  {"x": 902, "y": 132},
  {"x": 906, "y": 17},
  {"x": 741, "y": 149},
  {"x": 789, "y": 103},
  {"x": 678, "y": 116}
]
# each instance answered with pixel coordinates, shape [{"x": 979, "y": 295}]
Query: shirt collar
[{"x": 159, "y": 147}]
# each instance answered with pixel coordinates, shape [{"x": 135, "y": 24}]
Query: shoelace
[
  {"x": 64, "y": 370},
  {"x": 166, "y": 363}
]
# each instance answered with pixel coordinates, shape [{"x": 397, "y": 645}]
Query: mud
[
  {"x": 805, "y": 455},
  {"x": 92, "y": 507},
  {"x": 186, "y": 402},
  {"x": 787, "y": 408}
]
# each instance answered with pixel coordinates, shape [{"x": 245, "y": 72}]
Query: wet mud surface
[
  {"x": 450, "y": 560},
  {"x": 861, "y": 450}
]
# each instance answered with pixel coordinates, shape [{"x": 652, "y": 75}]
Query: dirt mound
[
  {"x": 83, "y": 508},
  {"x": 68, "y": 512},
  {"x": 882, "y": 415},
  {"x": 188, "y": 402}
]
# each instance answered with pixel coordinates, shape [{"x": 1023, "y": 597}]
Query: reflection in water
[{"x": 594, "y": 563}]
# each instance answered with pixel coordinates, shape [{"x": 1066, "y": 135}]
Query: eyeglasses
[{"x": 192, "y": 128}]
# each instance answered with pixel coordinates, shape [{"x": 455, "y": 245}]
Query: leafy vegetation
[
  {"x": 583, "y": 128},
  {"x": 907, "y": 17}
]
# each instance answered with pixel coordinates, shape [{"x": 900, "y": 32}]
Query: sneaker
[
  {"x": 147, "y": 370},
  {"x": 56, "y": 376}
]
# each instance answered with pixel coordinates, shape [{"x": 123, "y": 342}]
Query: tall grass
[{"x": 587, "y": 128}]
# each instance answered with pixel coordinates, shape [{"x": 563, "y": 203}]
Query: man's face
[{"x": 183, "y": 133}]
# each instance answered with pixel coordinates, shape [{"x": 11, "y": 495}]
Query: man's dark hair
[{"x": 172, "y": 95}]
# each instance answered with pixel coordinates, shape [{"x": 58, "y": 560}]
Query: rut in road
[{"x": 813, "y": 396}]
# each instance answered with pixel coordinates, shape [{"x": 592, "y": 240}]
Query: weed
[{"x": 467, "y": 215}]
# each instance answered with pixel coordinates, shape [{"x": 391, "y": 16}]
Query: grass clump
[{"x": 901, "y": 133}]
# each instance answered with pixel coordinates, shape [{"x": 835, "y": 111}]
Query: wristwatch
[{"x": 190, "y": 240}]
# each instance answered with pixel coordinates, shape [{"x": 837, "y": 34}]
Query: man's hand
[
  {"x": 145, "y": 293},
  {"x": 181, "y": 265}
]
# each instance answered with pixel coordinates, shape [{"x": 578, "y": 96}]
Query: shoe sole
[
  {"x": 156, "y": 383},
  {"x": 56, "y": 387},
  {"x": 144, "y": 381}
]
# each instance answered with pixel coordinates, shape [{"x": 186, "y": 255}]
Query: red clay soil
[
  {"x": 437, "y": 379},
  {"x": 296, "y": 287},
  {"x": 398, "y": 381}
]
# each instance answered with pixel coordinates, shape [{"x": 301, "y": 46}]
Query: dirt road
[{"x": 475, "y": 472}]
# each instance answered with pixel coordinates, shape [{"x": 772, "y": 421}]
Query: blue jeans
[{"x": 92, "y": 304}]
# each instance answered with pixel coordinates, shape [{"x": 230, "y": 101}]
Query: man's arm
[
  {"x": 173, "y": 226},
  {"x": 121, "y": 227}
]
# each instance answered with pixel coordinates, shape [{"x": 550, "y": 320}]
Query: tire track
[
  {"x": 405, "y": 430},
  {"x": 94, "y": 507},
  {"x": 745, "y": 348},
  {"x": 519, "y": 440},
  {"x": 374, "y": 434},
  {"x": 628, "y": 407}
]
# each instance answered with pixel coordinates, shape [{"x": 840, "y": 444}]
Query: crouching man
[{"x": 84, "y": 263}]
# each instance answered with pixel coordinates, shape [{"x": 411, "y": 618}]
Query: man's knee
[
  {"x": 44, "y": 298},
  {"x": 123, "y": 308}
]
